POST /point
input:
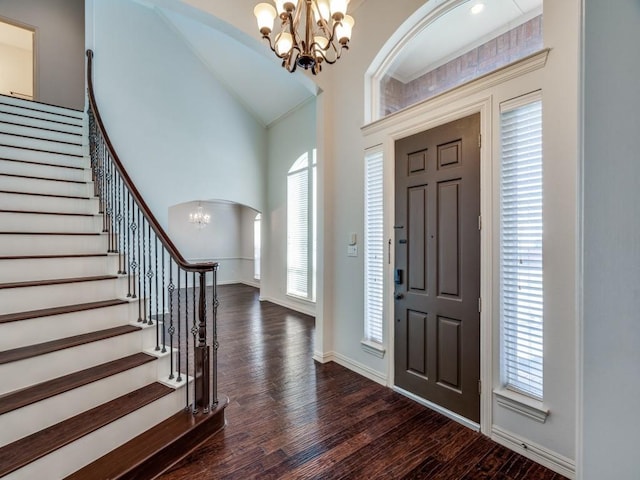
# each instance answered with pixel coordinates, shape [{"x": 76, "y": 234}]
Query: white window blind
[
  {"x": 521, "y": 246},
  {"x": 374, "y": 247},
  {"x": 298, "y": 233}
]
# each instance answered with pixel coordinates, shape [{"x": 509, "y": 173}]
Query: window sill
[
  {"x": 519, "y": 403},
  {"x": 374, "y": 348},
  {"x": 300, "y": 299}
]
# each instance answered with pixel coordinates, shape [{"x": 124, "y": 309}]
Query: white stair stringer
[
  {"x": 35, "y": 169},
  {"x": 32, "y": 184},
  {"x": 85, "y": 450},
  {"x": 37, "y": 297},
  {"x": 54, "y": 327}
]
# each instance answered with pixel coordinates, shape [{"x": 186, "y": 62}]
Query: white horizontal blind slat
[
  {"x": 297, "y": 233},
  {"x": 521, "y": 273},
  {"x": 374, "y": 247}
]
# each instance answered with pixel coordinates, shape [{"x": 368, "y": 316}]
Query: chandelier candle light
[
  {"x": 200, "y": 218},
  {"x": 309, "y": 31}
]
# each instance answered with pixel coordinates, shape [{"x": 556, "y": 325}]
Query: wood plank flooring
[{"x": 290, "y": 417}]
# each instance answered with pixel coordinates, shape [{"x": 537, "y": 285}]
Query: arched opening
[{"x": 447, "y": 44}]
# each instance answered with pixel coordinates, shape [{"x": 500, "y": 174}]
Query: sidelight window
[
  {"x": 374, "y": 247},
  {"x": 521, "y": 274}
]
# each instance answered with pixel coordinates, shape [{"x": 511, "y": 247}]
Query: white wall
[
  {"x": 288, "y": 138},
  {"x": 611, "y": 290},
  {"x": 344, "y": 278},
  {"x": 17, "y": 70},
  {"x": 227, "y": 239},
  {"x": 60, "y": 42},
  {"x": 179, "y": 133}
]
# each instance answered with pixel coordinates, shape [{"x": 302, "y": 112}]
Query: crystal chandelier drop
[
  {"x": 199, "y": 218},
  {"x": 311, "y": 32}
]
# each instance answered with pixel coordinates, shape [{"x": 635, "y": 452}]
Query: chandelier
[
  {"x": 199, "y": 218},
  {"x": 311, "y": 32}
]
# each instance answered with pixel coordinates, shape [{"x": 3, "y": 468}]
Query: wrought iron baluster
[
  {"x": 171, "y": 330},
  {"x": 179, "y": 295}
]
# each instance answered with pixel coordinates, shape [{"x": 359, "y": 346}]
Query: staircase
[{"x": 85, "y": 385}]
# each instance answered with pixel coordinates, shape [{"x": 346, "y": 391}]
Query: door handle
[{"x": 399, "y": 296}]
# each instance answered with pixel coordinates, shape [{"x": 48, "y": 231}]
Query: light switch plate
[{"x": 352, "y": 251}]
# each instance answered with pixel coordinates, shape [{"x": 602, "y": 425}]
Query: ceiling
[
  {"x": 16, "y": 36},
  {"x": 234, "y": 53},
  {"x": 458, "y": 31},
  {"x": 233, "y": 60}
]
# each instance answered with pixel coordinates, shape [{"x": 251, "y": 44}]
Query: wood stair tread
[
  {"x": 41, "y": 391},
  {"x": 53, "y": 346},
  {"x": 54, "y": 195},
  {"x": 40, "y": 128},
  {"x": 56, "y": 281},
  {"x": 40, "y": 150},
  {"x": 156, "y": 450},
  {"x": 31, "y": 162},
  {"x": 33, "y": 212},
  {"x": 28, "y": 449},
  {"x": 34, "y": 103},
  {"x": 47, "y": 312},
  {"x": 48, "y": 179},
  {"x": 40, "y": 257},
  {"x": 30, "y": 137}
]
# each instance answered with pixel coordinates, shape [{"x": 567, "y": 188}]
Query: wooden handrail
[{"x": 164, "y": 238}]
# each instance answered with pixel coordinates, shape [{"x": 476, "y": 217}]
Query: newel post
[{"x": 202, "y": 354}]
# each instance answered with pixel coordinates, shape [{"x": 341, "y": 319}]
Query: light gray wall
[
  {"x": 181, "y": 135},
  {"x": 611, "y": 296},
  {"x": 59, "y": 46},
  {"x": 288, "y": 139}
]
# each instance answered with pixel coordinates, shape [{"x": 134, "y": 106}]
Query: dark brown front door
[{"x": 437, "y": 252}]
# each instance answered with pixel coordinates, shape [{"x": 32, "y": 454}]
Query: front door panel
[{"x": 437, "y": 322}]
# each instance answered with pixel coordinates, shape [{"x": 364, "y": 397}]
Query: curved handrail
[{"x": 162, "y": 235}]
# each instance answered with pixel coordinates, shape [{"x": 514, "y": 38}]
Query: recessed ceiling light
[{"x": 477, "y": 8}]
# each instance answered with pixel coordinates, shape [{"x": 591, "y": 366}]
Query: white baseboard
[
  {"x": 545, "y": 457},
  {"x": 290, "y": 305},
  {"x": 351, "y": 364}
]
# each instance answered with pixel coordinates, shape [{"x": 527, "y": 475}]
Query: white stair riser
[
  {"x": 48, "y": 187},
  {"x": 45, "y": 171},
  {"x": 43, "y": 329},
  {"x": 54, "y": 117},
  {"x": 37, "y": 203},
  {"x": 41, "y": 144},
  {"x": 19, "y": 102},
  {"x": 34, "y": 370},
  {"x": 14, "y": 244},
  {"x": 15, "y": 153},
  {"x": 25, "y": 269},
  {"x": 18, "y": 128},
  {"x": 33, "y": 222},
  {"x": 37, "y": 123},
  {"x": 32, "y": 418},
  {"x": 76, "y": 455},
  {"x": 26, "y": 299}
]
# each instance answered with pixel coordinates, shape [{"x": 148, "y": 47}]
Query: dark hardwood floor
[{"x": 290, "y": 417}]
